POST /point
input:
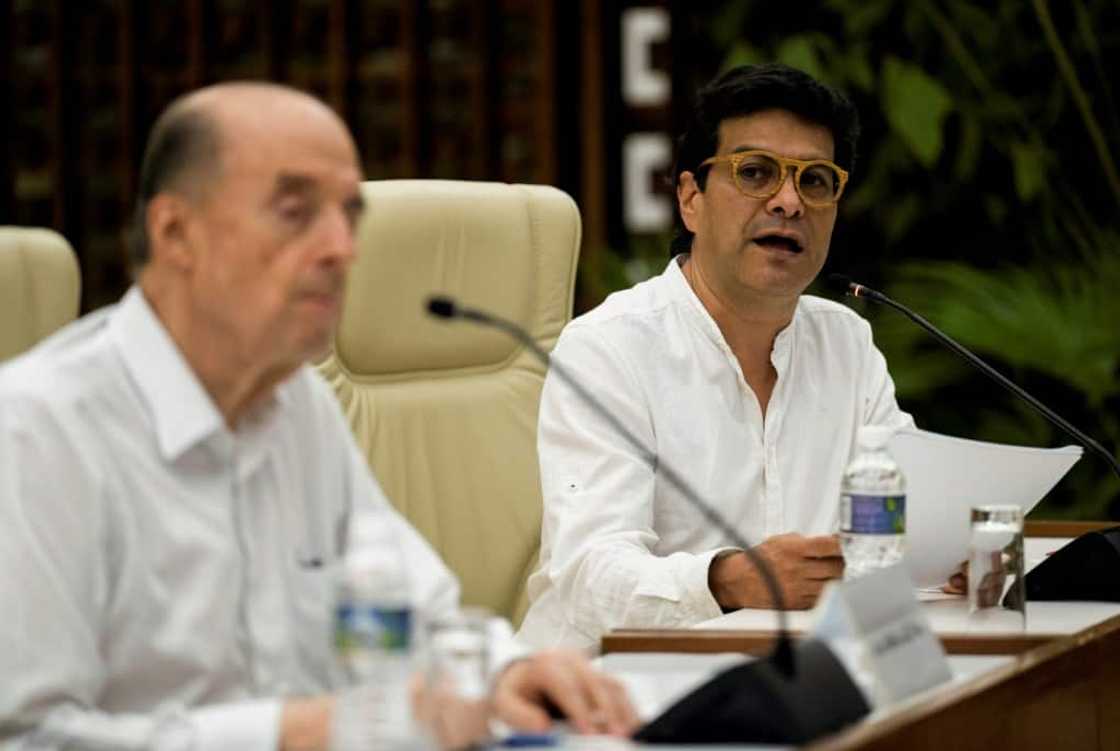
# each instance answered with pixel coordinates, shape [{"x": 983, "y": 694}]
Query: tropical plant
[{"x": 1048, "y": 327}]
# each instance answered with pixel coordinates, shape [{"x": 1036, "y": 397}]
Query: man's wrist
[
  {"x": 722, "y": 577},
  {"x": 737, "y": 583},
  {"x": 305, "y": 724}
]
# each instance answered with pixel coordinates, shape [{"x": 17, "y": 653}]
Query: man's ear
[
  {"x": 690, "y": 200},
  {"x": 169, "y": 236}
]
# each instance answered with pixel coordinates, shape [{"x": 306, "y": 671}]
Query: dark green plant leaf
[
  {"x": 996, "y": 209},
  {"x": 857, "y": 67},
  {"x": 861, "y": 16},
  {"x": 742, "y": 53},
  {"x": 899, "y": 216},
  {"x": 1030, "y": 170},
  {"x": 915, "y": 105},
  {"x": 975, "y": 22},
  {"x": 799, "y": 52},
  {"x": 1060, "y": 324},
  {"x": 968, "y": 150},
  {"x": 727, "y": 24}
]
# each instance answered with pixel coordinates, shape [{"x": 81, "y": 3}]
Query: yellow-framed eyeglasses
[{"x": 761, "y": 174}]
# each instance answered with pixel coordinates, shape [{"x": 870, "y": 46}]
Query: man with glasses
[{"x": 728, "y": 373}]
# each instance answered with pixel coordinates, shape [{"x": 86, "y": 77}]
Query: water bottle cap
[
  {"x": 374, "y": 567},
  {"x": 874, "y": 436}
]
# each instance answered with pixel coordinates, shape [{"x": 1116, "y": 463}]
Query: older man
[
  {"x": 750, "y": 389},
  {"x": 176, "y": 484}
]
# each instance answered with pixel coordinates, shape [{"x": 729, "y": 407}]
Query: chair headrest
[
  {"x": 488, "y": 245},
  {"x": 40, "y": 286}
]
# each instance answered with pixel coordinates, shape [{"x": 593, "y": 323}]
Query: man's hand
[
  {"x": 522, "y": 698},
  {"x": 958, "y": 582},
  {"x": 452, "y": 721},
  {"x": 593, "y": 703},
  {"x": 992, "y": 578},
  {"x": 802, "y": 566}
]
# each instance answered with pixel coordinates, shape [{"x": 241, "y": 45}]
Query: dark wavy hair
[{"x": 753, "y": 88}]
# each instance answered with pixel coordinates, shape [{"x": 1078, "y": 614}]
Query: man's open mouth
[{"x": 779, "y": 242}]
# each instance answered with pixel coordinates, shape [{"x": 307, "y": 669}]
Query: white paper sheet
[{"x": 946, "y": 476}]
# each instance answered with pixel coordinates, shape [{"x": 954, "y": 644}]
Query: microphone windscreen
[
  {"x": 840, "y": 283},
  {"x": 442, "y": 307}
]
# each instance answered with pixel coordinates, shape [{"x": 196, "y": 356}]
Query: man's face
[
  {"x": 749, "y": 248},
  {"x": 273, "y": 238}
]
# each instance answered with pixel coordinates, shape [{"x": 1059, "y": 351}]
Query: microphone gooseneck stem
[
  {"x": 859, "y": 290},
  {"x": 783, "y": 647}
]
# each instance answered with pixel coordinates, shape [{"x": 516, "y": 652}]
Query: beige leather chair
[
  {"x": 39, "y": 287},
  {"x": 446, "y": 411}
]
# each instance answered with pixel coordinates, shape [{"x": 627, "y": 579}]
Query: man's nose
[
  {"x": 787, "y": 201},
  {"x": 339, "y": 243}
]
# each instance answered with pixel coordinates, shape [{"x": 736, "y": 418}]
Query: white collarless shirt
[
  {"x": 162, "y": 576},
  {"x": 620, "y": 547}
]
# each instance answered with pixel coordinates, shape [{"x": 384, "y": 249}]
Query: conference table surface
[
  {"x": 752, "y": 630},
  {"x": 660, "y": 666},
  {"x": 948, "y": 613}
]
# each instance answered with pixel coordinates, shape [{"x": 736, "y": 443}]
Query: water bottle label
[
  {"x": 873, "y": 514},
  {"x": 367, "y": 627}
]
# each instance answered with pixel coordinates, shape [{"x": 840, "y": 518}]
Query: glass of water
[
  {"x": 452, "y": 705},
  {"x": 996, "y": 588},
  {"x": 458, "y": 651}
]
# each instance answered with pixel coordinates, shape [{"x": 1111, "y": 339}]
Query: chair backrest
[
  {"x": 446, "y": 412},
  {"x": 39, "y": 287}
]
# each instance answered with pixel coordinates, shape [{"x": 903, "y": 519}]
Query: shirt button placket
[
  {"x": 773, "y": 487},
  {"x": 245, "y": 625}
]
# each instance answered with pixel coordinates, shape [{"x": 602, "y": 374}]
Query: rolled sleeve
[
  {"x": 701, "y": 603},
  {"x": 504, "y": 649},
  {"x": 247, "y": 726}
]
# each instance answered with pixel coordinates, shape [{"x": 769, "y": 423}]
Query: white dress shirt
[
  {"x": 162, "y": 576},
  {"x": 620, "y": 547}
]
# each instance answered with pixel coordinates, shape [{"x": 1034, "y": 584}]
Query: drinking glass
[{"x": 996, "y": 587}]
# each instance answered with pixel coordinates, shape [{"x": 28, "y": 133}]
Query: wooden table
[
  {"x": 1061, "y": 695},
  {"x": 1058, "y": 688}
]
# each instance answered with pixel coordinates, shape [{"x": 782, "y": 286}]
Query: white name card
[{"x": 876, "y": 627}]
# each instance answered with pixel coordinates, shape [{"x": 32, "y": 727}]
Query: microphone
[
  {"x": 844, "y": 284},
  {"x": 796, "y": 693}
]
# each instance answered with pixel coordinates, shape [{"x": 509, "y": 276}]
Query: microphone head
[
  {"x": 840, "y": 283},
  {"x": 442, "y": 307}
]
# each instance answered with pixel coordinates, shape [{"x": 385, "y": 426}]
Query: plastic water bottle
[
  {"x": 872, "y": 506},
  {"x": 374, "y": 640}
]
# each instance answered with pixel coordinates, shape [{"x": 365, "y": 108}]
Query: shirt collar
[
  {"x": 182, "y": 410},
  {"x": 681, "y": 290}
]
